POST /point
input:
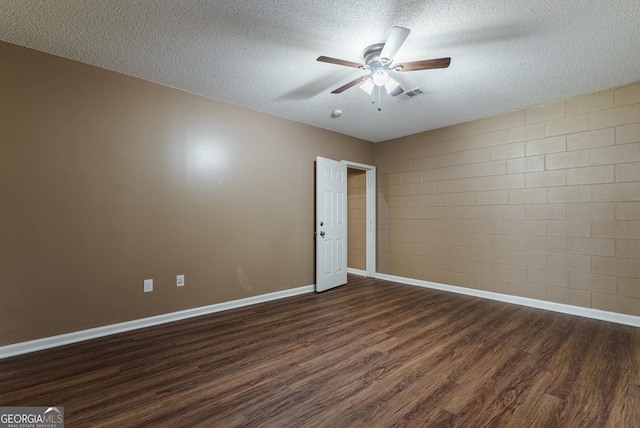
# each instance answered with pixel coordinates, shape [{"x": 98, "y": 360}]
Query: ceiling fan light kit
[
  {"x": 379, "y": 76},
  {"x": 368, "y": 86},
  {"x": 378, "y": 59}
]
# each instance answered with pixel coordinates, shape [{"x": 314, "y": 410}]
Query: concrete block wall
[{"x": 541, "y": 203}]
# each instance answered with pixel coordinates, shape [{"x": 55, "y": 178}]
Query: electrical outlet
[
  {"x": 148, "y": 285},
  {"x": 180, "y": 281}
]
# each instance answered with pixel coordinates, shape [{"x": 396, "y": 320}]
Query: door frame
[{"x": 371, "y": 214}]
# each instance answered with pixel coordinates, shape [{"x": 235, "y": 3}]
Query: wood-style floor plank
[{"x": 369, "y": 354}]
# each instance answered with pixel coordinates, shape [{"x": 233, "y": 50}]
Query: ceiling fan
[{"x": 378, "y": 59}]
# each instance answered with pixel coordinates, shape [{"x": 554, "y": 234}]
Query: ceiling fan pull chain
[
  {"x": 373, "y": 96},
  {"x": 379, "y": 99}
]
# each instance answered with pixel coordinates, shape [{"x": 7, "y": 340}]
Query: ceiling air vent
[{"x": 412, "y": 94}]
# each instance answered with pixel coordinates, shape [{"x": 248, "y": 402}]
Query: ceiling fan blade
[
  {"x": 339, "y": 62},
  {"x": 391, "y": 47},
  {"x": 350, "y": 84},
  {"x": 423, "y": 65}
]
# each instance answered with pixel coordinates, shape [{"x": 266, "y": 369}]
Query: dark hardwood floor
[{"x": 369, "y": 354}]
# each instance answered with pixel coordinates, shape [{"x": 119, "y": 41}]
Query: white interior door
[{"x": 331, "y": 224}]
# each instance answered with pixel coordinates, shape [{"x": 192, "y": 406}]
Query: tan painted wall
[
  {"x": 541, "y": 203},
  {"x": 357, "y": 219},
  {"x": 106, "y": 180}
]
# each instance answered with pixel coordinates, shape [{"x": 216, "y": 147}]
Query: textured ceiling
[{"x": 261, "y": 54}]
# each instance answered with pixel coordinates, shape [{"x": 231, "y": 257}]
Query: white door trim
[{"x": 371, "y": 214}]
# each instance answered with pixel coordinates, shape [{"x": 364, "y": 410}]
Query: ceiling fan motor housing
[{"x": 371, "y": 55}]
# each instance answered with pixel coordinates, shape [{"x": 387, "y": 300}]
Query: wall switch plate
[
  {"x": 180, "y": 281},
  {"x": 148, "y": 285}
]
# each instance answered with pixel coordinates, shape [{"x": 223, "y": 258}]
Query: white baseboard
[
  {"x": 79, "y": 336},
  {"x": 92, "y": 333},
  {"x": 356, "y": 271},
  {"x": 523, "y": 301}
]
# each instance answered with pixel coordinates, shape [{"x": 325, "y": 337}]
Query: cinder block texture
[{"x": 542, "y": 203}]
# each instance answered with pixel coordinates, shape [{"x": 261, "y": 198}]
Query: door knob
[{"x": 322, "y": 233}]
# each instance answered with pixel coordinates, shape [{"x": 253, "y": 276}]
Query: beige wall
[
  {"x": 107, "y": 180},
  {"x": 357, "y": 219},
  {"x": 542, "y": 203}
]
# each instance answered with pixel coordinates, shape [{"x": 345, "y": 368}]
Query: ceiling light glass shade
[
  {"x": 390, "y": 85},
  {"x": 368, "y": 86},
  {"x": 397, "y": 91},
  {"x": 380, "y": 76}
]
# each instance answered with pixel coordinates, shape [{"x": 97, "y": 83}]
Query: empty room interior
[{"x": 455, "y": 240}]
